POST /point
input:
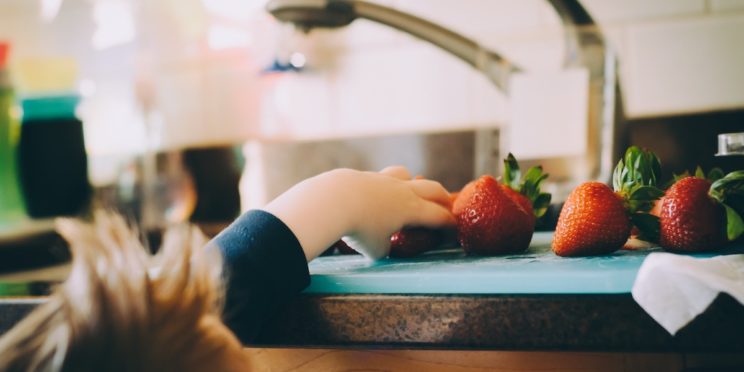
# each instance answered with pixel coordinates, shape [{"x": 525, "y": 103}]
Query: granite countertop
[
  {"x": 612, "y": 322},
  {"x": 446, "y": 300}
]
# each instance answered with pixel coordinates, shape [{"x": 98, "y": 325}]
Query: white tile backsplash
[
  {"x": 402, "y": 90},
  {"x": 685, "y": 66},
  {"x": 547, "y": 106}
]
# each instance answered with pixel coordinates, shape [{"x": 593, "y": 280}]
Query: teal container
[
  {"x": 53, "y": 165},
  {"x": 49, "y": 107},
  {"x": 12, "y": 207}
]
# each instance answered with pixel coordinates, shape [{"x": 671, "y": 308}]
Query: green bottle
[{"x": 11, "y": 201}]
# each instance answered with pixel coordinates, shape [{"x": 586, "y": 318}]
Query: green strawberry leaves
[
  {"x": 637, "y": 168},
  {"x": 648, "y": 225},
  {"x": 541, "y": 203},
  {"x": 699, "y": 172},
  {"x": 642, "y": 198},
  {"x": 512, "y": 174},
  {"x": 734, "y": 224},
  {"x": 731, "y": 183},
  {"x": 527, "y": 184},
  {"x": 635, "y": 178},
  {"x": 715, "y": 174},
  {"x": 729, "y": 191},
  {"x": 646, "y": 193}
]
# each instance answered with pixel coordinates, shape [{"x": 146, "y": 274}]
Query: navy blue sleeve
[{"x": 265, "y": 267}]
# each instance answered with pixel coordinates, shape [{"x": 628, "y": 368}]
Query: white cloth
[{"x": 674, "y": 289}]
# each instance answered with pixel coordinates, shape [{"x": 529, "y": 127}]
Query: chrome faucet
[
  {"x": 309, "y": 14},
  {"x": 583, "y": 49}
]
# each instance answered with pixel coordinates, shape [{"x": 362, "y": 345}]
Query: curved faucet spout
[{"x": 308, "y": 14}]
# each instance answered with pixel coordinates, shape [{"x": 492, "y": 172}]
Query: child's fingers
[
  {"x": 432, "y": 215},
  {"x": 431, "y": 190},
  {"x": 397, "y": 171},
  {"x": 373, "y": 248}
]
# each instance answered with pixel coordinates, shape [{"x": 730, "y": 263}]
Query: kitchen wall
[
  {"x": 170, "y": 74},
  {"x": 677, "y": 56}
]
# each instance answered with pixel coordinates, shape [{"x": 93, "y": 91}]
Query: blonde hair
[{"x": 123, "y": 309}]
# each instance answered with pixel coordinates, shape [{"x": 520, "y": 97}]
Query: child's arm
[
  {"x": 266, "y": 252},
  {"x": 367, "y": 207}
]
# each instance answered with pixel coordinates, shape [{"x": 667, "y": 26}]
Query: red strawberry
[
  {"x": 461, "y": 198},
  {"x": 593, "y": 221},
  {"x": 490, "y": 222},
  {"x": 713, "y": 175},
  {"x": 518, "y": 198},
  {"x": 703, "y": 212},
  {"x": 690, "y": 220},
  {"x": 597, "y": 220},
  {"x": 412, "y": 241}
]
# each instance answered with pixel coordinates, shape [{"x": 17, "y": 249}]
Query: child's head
[{"x": 122, "y": 309}]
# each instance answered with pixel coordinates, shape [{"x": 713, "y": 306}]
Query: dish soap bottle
[
  {"x": 51, "y": 152},
  {"x": 11, "y": 201}
]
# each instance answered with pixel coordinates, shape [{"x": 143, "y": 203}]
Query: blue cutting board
[{"x": 537, "y": 271}]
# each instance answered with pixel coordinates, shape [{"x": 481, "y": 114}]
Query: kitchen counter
[
  {"x": 446, "y": 300},
  {"x": 498, "y": 322},
  {"x": 530, "y": 301}
]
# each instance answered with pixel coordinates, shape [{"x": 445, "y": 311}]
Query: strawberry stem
[
  {"x": 635, "y": 179},
  {"x": 527, "y": 184},
  {"x": 729, "y": 191}
]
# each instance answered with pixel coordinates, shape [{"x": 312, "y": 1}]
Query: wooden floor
[{"x": 331, "y": 360}]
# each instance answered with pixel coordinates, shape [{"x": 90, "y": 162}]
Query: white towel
[{"x": 674, "y": 289}]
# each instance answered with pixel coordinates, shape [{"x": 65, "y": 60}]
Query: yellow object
[{"x": 45, "y": 75}]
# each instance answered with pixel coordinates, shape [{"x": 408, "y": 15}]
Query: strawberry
[
  {"x": 690, "y": 220},
  {"x": 593, "y": 221},
  {"x": 597, "y": 219},
  {"x": 485, "y": 209},
  {"x": 525, "y": 191},
  {"x": 520, "y": 199},
  {"x": 490, "y": 222},
  {"x": 412, "y": 241},
  {"x": 700, "y": 215},
  {"x": 713, "y": 175},
  {"x": 461, "y": 198}
]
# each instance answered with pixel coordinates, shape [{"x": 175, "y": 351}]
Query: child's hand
[{"x": 367, "y": 207}]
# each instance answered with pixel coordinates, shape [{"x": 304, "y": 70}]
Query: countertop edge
[
  {"x": 584, "y": 322},
  {"x": 530, "y": 322}
]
